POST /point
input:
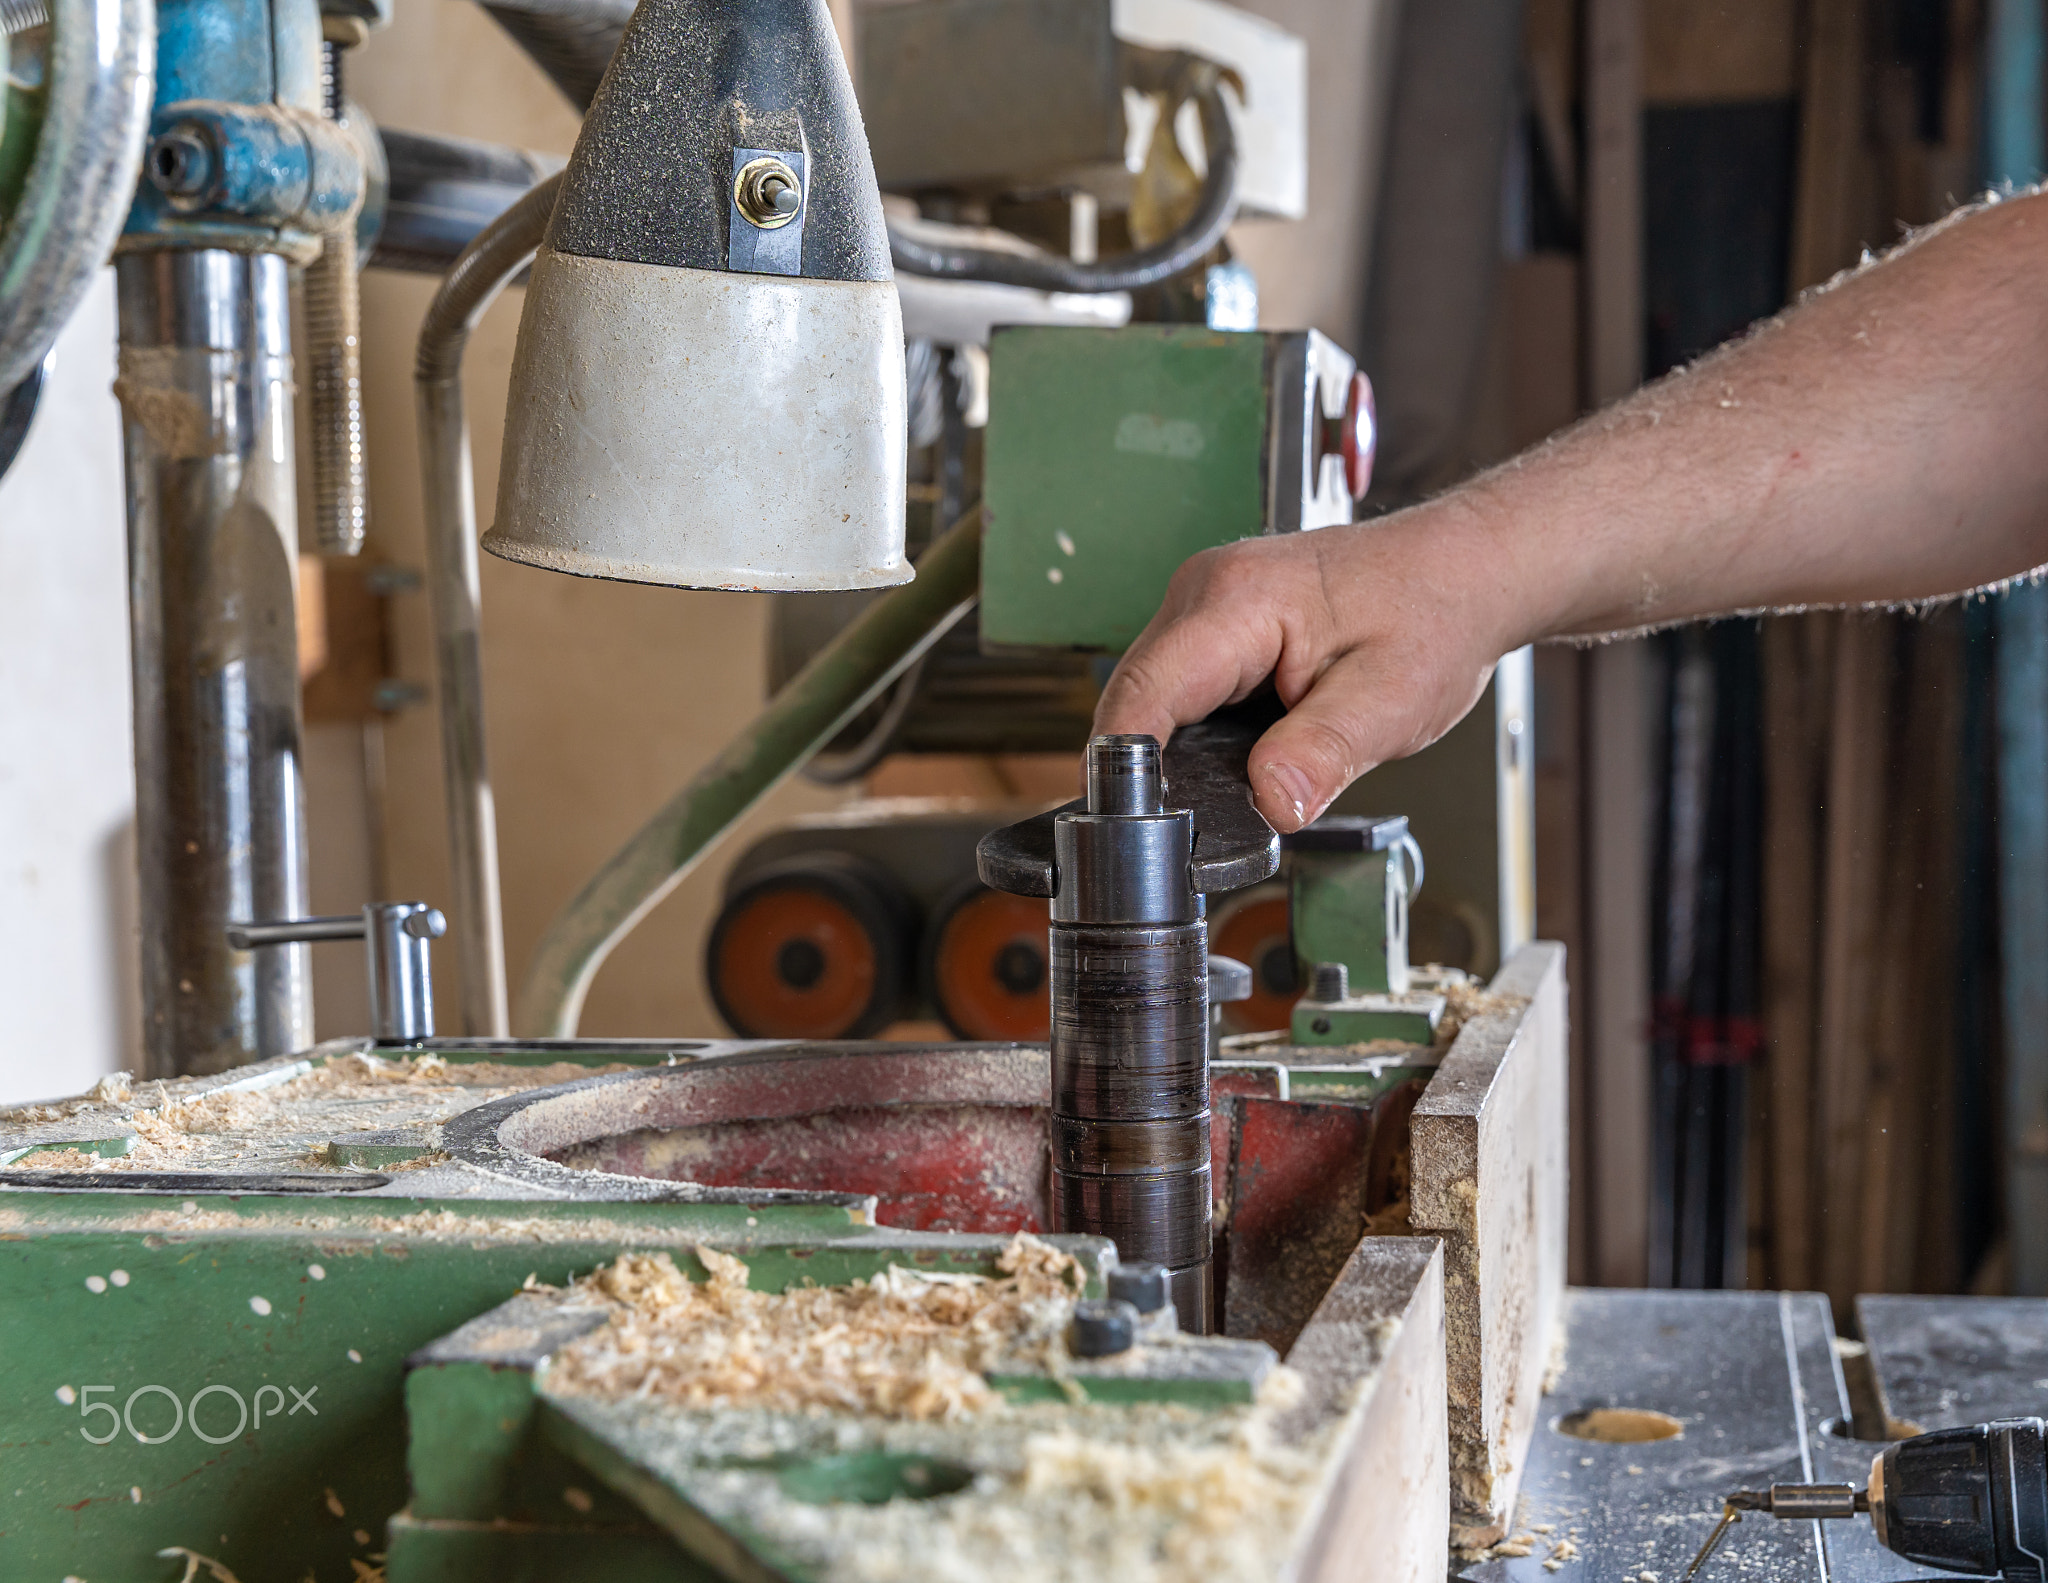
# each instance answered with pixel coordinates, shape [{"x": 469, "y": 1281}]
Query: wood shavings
[
  {"x": 419, "y": 1162},
  {"x": 56, "y": 1159},
  {"x": 242, "y": 1127},
  {"x": 1468, "y": 1002},
  {"x": 194, "y": 1561},
  {"x": 905, "y": 1344},
  {"x": 1216, "y": 1509}
]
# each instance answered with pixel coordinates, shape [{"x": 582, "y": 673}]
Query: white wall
[{"x": 68, "y": 991}]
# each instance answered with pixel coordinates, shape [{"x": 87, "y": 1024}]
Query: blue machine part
[{"x": 241, "y": 154}]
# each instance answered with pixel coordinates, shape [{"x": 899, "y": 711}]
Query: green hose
[{"x": 818, "y": 703}]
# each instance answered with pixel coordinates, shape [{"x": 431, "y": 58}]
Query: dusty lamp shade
[{"x": 708, "y": 388}]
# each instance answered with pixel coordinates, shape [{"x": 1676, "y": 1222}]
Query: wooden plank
[
  {"x": 1709, "y": 52},
  {"x": 1613, "y": 233},
  {"x": 1616, "y": 967},
  {"x": 1852, "y": 900},
  {"x": 1833, "y": 172},
  {"x": 1560, "y": 916},
  {"x": 1907, "y": 1130},
  {"x": 1490, "y": 1177},
  {"x": 1374, "y": 1354},
  {"x": 1797, "y": 668}
]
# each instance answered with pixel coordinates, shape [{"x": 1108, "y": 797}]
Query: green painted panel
[
  {"x": 245, "y": 1375},
  {"x": 443, "y": 1552},
  {"x": 1111, "y": 457}
]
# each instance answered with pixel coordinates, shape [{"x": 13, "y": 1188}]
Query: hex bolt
[
  {"x": 767, "y": 193},
  {"x": 1143, "y": 1286},
  {"x": 1102, "y": 1329},
  {"x": 181, "y": 162},
  {"x": 1331, "y": 982}
]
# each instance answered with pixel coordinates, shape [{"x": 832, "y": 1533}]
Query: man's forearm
[{"x": 1887, "y": 440}]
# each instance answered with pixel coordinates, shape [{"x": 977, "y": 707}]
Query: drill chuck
[
  {"x": 1130, "y": 1014},
  {"x": 1973, "y": 1499}
]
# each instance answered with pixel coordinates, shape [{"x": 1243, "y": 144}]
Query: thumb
[{"x": 1351, "y": 719}]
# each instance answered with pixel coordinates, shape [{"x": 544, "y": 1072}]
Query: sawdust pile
[
  {"x": 1138, "y": 1494},
  {"x": 906, "y": 1344},
  {"x": 1222, "y": 1503},
  {"x": 1468, "y": 1002},
  {"x": 116, "y": 1088},
  {"x": 348, "y": 1093},
  {"x": 56, "y": 1160}
]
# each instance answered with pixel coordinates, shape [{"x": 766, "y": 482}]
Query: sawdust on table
[
  {"x": 342, "y": 1232},
  {"x": 1146, "y": 1493},
  {"x": 903, "y": 1344},
  {"x": 57, "y": 1158},
  {"x": 1107, "y": 1503},
  {"x": 356, "y": 1092},
  {"x": 1468, "y": 1002},
  {"x": 116, "y": 1088}
]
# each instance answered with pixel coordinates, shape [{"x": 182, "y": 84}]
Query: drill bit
[
  {"x": 1790, "y": 1501},
  {"x": 1731, "y": 1514}
]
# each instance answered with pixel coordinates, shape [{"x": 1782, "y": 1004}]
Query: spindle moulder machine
[{"x": 1140, "y": 1298}]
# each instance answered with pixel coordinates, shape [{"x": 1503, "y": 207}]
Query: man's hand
[
  {"x": 1880, "y": 442},
  {"x": 1378, "y": 636}
]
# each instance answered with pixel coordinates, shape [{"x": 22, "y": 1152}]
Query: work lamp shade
[{"x": 708, "y": 387}]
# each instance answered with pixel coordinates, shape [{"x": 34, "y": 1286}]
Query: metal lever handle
[{"x": 398, "y": 935}]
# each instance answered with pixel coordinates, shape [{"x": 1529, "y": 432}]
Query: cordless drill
[{"x": 1972, "y": 1501}]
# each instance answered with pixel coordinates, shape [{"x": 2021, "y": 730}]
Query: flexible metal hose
[
  {"x": 1187, "y": 247},
  {"x": 454, "y": 592}
]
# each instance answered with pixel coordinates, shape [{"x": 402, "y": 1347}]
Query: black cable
[{"x": 1148, "y": 266}]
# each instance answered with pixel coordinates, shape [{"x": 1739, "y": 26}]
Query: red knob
[{"x": 1358, "y": 436}]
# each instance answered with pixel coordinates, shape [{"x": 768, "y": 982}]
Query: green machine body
[{"x": 1115, "y": 454}]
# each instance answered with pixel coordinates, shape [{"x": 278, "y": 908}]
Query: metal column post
[{"x": 206, "y": 389}]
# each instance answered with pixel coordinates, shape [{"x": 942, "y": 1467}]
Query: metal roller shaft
[{"x": 1130, "y": 1014}]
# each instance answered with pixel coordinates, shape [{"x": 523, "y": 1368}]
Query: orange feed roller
[
  {"x": 794, "y": 958},
  {"x": 1253, "y": 929},
  {"x": 987, "y": 970}
]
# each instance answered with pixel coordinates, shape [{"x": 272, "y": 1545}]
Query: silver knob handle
[{"x": 397, "y": 936}]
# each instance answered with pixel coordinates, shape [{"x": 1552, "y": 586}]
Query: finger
[
  {"x": 1360, "y": 712},
  {"x": 1218, "y": 634},
  {"x": 1185, "y": 674}
]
